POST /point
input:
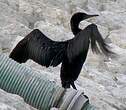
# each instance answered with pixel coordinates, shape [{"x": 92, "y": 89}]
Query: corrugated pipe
[{"x": 38, "y": 91}]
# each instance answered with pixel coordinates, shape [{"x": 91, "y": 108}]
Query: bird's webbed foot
[
  {"x": 67, "y": 84},
  {"x": 73, "y": 85}
]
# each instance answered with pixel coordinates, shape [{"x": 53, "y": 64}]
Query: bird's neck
[{"x": 75, "y": 27}]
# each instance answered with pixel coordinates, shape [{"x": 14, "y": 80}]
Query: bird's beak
[
  {"x": 89, "y": 16},
  {"x": 92, "y": 15}
]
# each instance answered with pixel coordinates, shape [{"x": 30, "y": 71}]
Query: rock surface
[
  {"x": 12, "y": 102},
  {"x": 102, "y": 79}
]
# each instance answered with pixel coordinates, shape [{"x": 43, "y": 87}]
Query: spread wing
[
  {"x": 38, "y": 47},
  {"x": 78, "y": 46}
]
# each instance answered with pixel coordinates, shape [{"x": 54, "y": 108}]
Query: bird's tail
[{"x": 98, "y": 44}]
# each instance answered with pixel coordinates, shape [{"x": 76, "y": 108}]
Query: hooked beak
[{"x": 89, "y": 16}]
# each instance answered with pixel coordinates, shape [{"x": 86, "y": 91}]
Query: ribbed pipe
[{"x": 36, "y": 90}]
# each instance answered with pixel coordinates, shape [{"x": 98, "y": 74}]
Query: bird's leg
[
  {"x": 73, "y": 85},
  {"x": 65, "y": 84}
]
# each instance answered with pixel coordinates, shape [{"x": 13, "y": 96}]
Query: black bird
[{"x": 71, "y": 53}]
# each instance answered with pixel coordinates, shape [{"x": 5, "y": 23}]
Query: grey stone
[{"x": 102, "y": 79}]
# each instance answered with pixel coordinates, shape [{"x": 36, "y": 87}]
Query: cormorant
[{"x": 71, "y": 53}]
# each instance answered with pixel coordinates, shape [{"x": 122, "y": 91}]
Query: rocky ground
[{"x": 102, "y": 79}]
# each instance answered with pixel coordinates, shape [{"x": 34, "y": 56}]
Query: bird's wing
[
  {"x": 38, "y": 47},
  {"x": 19, "y": 53},
  {"x": 78, "y": 45}
]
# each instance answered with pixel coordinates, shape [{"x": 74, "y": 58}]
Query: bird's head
[
  {"x": 76, "y": 19},
  {"x": 79, "y": 16}
]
